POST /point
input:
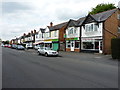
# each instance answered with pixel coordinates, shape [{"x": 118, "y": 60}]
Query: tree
[{"x": 102, "y": 7}]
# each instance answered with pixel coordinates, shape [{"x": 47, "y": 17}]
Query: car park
[{"x": 47, "y": 51}]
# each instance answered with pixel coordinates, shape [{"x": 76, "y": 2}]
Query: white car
[
  {"x": 47, "y": 51},
  {"x": 36, "y": 47}
]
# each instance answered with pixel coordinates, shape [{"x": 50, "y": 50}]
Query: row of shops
[{"x": 74, "y": 44}]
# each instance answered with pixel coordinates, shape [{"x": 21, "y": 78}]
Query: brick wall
[
  {"x": 75, "y": 50},
  {"x": 119, "y": 23},
  {"x": 111, "y": 24}
]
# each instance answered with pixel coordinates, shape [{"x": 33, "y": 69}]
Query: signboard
[{"x": 72, "y": 38}]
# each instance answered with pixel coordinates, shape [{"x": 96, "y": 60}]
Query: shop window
[
  {"x": 77, "y": 44},
  {"x": 96, "y": 45},
  {"x": 67, "y": 44},
  {"x": 87, "y": 45}
]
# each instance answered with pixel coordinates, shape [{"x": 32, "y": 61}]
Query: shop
[
  {"x": 73, "y": 44},
  {"x": 55, "y": 44},
  {"x": 94, "y": 44}
]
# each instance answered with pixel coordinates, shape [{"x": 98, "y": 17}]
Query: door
[
  {"x": 100, "y": 47},
  {"x": 72, "y": 45},
  {"x": 55, "y": 46}
]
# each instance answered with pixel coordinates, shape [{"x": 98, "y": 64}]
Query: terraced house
[
  {"x": 98, "y": 30},
  {"x": 57, "y": 33}
]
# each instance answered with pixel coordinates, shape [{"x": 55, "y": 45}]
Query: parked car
[
  {"x": 36, "y": 47},
  {"x": 13, "y": 46},
  {"x": 9, "y": 46},
  {"x": 47, "y": 51},
  {"x": 6, "y": 45},
  {"x": 20, "y": 47}
]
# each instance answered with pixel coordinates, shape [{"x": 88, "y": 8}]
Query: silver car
[{"x": 47, "y": 51}]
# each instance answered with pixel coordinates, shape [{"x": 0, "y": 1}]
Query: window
[
  {"x": 95, "y": 27},
  {"x": 67, "y": 44},
  {"x": 36, "y": 36},
  {"x": 55, "y": 33},
  {"x": 77, "y": 44},
  {"x": 70, "y": 31},
  {"x": 75, "y": 30},
  {"x": 87, "y": 45},
  {"x": 118, "y": 16},
  {"x": 119, "y": 29},
  {"x": 91, "y": 28}
]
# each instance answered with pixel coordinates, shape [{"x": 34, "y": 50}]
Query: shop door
[
  {"x": 72, "y": 45},
  {"x": 55, "y": 46},
  {"x": 100, "y": 47}
]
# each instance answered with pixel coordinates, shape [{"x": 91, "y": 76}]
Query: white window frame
[
  {"x": 119, "y": 29},
  {"x": 118, "y": 16}
]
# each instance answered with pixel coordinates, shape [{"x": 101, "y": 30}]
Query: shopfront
[
  {"x": 55, "y": 44},
  {"x": 92, "y": 44},
  {"x": 73, "y": 44}
]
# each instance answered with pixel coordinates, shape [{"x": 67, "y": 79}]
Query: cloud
[
  {"x": 12, "y": 7},
  {"x": 22, "y": 16}
]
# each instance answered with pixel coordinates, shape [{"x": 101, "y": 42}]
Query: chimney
[
  {"x": 24, "y": 34},
  {"x": 31, "y": 32},
  {"x": 34, "y": 31},
  {"x": 51, "y": 24}
]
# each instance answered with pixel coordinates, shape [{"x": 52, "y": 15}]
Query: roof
[
  {"x": 42, "y": 30},
  {"x": 103, "y": 15},
  {"x": 58, "y": 26},
  {"x": 80, "y": 21}
]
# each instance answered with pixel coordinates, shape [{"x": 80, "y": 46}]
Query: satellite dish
[{"x": 119, "y": 4}]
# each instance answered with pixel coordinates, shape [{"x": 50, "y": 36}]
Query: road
[{"x": 23, "y": 69}]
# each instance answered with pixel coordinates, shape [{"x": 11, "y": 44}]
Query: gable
[{"x": 89, "y": 19}]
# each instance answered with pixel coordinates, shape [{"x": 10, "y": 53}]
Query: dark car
[{"x": 20, "y": 47}]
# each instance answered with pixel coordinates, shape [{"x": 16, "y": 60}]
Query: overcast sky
[{"x": 21, "y": 17}]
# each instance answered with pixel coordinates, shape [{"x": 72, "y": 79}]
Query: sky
[{"x": 21, "y": 16}]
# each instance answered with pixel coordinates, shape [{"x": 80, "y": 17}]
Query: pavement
[{"x": 27, "y": 69}]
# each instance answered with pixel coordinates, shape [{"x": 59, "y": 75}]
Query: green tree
[{"x": 102, "y": 7}]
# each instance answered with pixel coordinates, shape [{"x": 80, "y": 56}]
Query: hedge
[{"x": 115, "y": 47}]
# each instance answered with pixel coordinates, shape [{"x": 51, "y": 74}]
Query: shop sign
[
  {"x": 72, "y": 38},
  {"x": 55, "y": 40}
]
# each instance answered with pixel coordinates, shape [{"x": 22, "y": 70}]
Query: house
[
  {"x": 29, "y": 39},
  {"x": 97, "y": 31},
  {"x": 57, "y": 33},
  {"x": 39, "y": 39},
  {"x": 72, "y": 35}
]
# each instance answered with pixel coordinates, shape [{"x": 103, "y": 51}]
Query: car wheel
[
  {"x": 46, "y": 54},
  {"x": 39, "y": 53}
]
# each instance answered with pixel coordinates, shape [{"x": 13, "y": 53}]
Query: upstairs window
[
  {"x": 118, "y": 16},
  {"x": 91, "y": 27},
  {"x": 119, "y": 29},
  {"x": 55, "y": 33}
]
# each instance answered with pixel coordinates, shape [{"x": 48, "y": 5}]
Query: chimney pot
[{"x": 51, "y": 24}]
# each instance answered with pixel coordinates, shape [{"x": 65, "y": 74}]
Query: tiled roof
[
  {"x": 42, "y": 30},
  {"x": 104, "y": 15},
  {"x": 58, "y": 26}
]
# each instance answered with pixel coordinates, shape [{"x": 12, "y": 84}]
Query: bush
[{"x": 115, "y": 46}]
